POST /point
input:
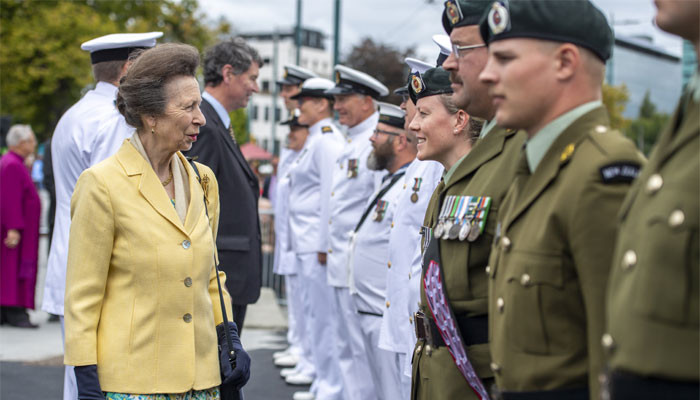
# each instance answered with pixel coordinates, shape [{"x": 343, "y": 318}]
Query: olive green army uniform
[
  {"x": 652, "y": 308},
  {"x": 486, "y": 171},
  {"x": 550, "y": 261}
]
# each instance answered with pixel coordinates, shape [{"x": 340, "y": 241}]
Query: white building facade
[{"x": 265, "y": 109}]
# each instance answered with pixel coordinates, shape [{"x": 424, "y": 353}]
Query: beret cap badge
[
  {"x": 498, "y": 18},
  {"x": 416, "y": 83},
  {"x": 454, "y": 12},
  {"x": 337, "y": 77}
]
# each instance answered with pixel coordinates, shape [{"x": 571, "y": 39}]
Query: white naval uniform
[
  {"x": 89, "y": 132},
  {"x": 310, "y": 179},
  {"x": 284, "y": 256},
  {"x": 397, "y": 332},
  {"x": 370, "y": 256},
  {"x": 349, "y": 196}
]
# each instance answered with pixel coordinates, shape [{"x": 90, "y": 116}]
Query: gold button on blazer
[{"x": 127, "y": 292}]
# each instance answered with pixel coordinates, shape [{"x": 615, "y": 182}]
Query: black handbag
[{"x": 228, "y": 392}]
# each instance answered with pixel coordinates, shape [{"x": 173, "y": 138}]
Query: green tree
[
  {"x": 381, "y": 61},
  {"x": 646, "y": 128},
  {"x": 615, "y": 100},
  {"x": 43, "y": 71},
  {"x": 239, "y": 123}
]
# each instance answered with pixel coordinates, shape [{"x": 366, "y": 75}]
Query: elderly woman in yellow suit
[{"x": 142, "y": 301}]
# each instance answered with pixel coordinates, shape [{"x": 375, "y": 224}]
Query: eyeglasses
[
  {"x": 377, "y": 131},
  {"x": 460, "y": 51}
]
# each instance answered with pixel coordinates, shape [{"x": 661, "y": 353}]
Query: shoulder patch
[
  {"x": 326, "y": 129},
  {"x": 619, "y": 172}
]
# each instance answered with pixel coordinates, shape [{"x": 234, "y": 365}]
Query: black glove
[
  {"x": 88, "y": 383},
  {"x": 238, "y": 374}
]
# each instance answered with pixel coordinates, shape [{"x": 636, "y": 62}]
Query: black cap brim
[{"x": 319, "y": 93}]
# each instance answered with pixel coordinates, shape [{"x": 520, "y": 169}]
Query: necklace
[{"x": 170, "y": 178}]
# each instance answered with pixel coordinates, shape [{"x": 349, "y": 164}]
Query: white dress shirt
[
  {"x": 349, "y": 195},
  {"x": 90, "y": 131},
  {"x": 284, "y": 257},
  {"x": 370, "y": 251},
  {"x": 310, "y": 184},
  {"x": 405, "y": 256}
]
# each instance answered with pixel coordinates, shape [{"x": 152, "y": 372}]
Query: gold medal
[{"x": 414, "y": 197}]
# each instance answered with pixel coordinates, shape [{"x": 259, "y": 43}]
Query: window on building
[
  {"x": 266, "y": 86},
  {"x": 278, "y": 114},
  {"x": 276, "y": 149},
  {"x": 267, "y": 113}
]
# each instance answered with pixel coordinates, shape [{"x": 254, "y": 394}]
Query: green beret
[
  {"x": 431, "y": 82},
  {"x": 571, "y": 21},
  {"x": 463, "y": 13}
]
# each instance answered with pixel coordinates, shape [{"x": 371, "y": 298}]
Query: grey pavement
[{"x": 31, "y": 360}]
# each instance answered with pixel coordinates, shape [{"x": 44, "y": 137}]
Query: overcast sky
[{"x": 402, "y": 23}]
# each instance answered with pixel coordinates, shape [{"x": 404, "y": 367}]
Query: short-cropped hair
[
  {"x": 142, "y": 89},
  {"x": 108, "y": 71},
  {"x": 235, "y": 52}
]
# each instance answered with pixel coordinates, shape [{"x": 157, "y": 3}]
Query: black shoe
[
  {"x": 17, "y": 317},
  {"x": 54, "y": 318}
]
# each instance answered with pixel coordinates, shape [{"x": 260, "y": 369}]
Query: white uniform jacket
[
  {"x": 353, "y": 184},
  {"x": 284, "y": 256},
  {"x": 402, "y": 278},
  {"x": 89, "y": 132},
  {"x": 370, "y": 252},
  {"x": 310, "y": 185}
]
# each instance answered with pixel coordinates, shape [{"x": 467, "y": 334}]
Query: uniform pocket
[
  {"x": 667, "y": 266},
  {"x": 534, "y": 289}
]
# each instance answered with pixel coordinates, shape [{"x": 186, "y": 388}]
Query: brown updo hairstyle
[{"x": 142, "y": 89}]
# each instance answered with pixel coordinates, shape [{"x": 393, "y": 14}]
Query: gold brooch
[{"x": 205, "y": 187}]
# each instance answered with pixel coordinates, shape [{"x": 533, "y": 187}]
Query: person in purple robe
[{"x": 20, "y": 209}]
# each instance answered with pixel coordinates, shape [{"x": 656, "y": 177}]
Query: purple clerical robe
[{"x": 20, "y": 209}]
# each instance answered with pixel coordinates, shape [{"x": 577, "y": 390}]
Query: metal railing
[{"x": 267, "y": 239}]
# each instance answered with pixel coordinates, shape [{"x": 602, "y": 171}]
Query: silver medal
[{"x": 464, "y": 231}]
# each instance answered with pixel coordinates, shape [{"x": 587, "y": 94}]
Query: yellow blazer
[{"x": 141, "y": 295}]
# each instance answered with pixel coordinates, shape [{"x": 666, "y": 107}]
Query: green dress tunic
[
  {"x": 550, "y": 261},
  {"x": 487, "y": 170}
]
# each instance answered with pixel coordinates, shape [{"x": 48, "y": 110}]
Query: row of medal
[{"x": 462, "y": 217}]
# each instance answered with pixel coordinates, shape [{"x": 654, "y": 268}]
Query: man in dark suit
[{"x": 230, "y": 74}]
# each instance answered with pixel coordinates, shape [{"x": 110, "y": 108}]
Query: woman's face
[
  {"x": 434, "y": 127},
  {"x": 179, "y": 125},
  {"x": 297, "y": 137}
]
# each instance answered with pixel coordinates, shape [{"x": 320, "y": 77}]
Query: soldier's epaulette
[{"x": 326, "y": 129}]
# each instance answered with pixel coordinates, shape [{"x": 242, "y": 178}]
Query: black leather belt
[
  {"x": 474, "y": 330},
  {"x": 561, "y": 394},
  {"x": 625, "y": 385}
]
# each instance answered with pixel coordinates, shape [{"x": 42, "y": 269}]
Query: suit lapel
[
  {"x": 549, "y": 167},
  {"x": 223, "y": 130},
  {"x": 194, "y": 211},
  {"x": 149, "y": 185},
  {"x": 485, "y": 150},
  {"x": 687, "y": 130}
]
